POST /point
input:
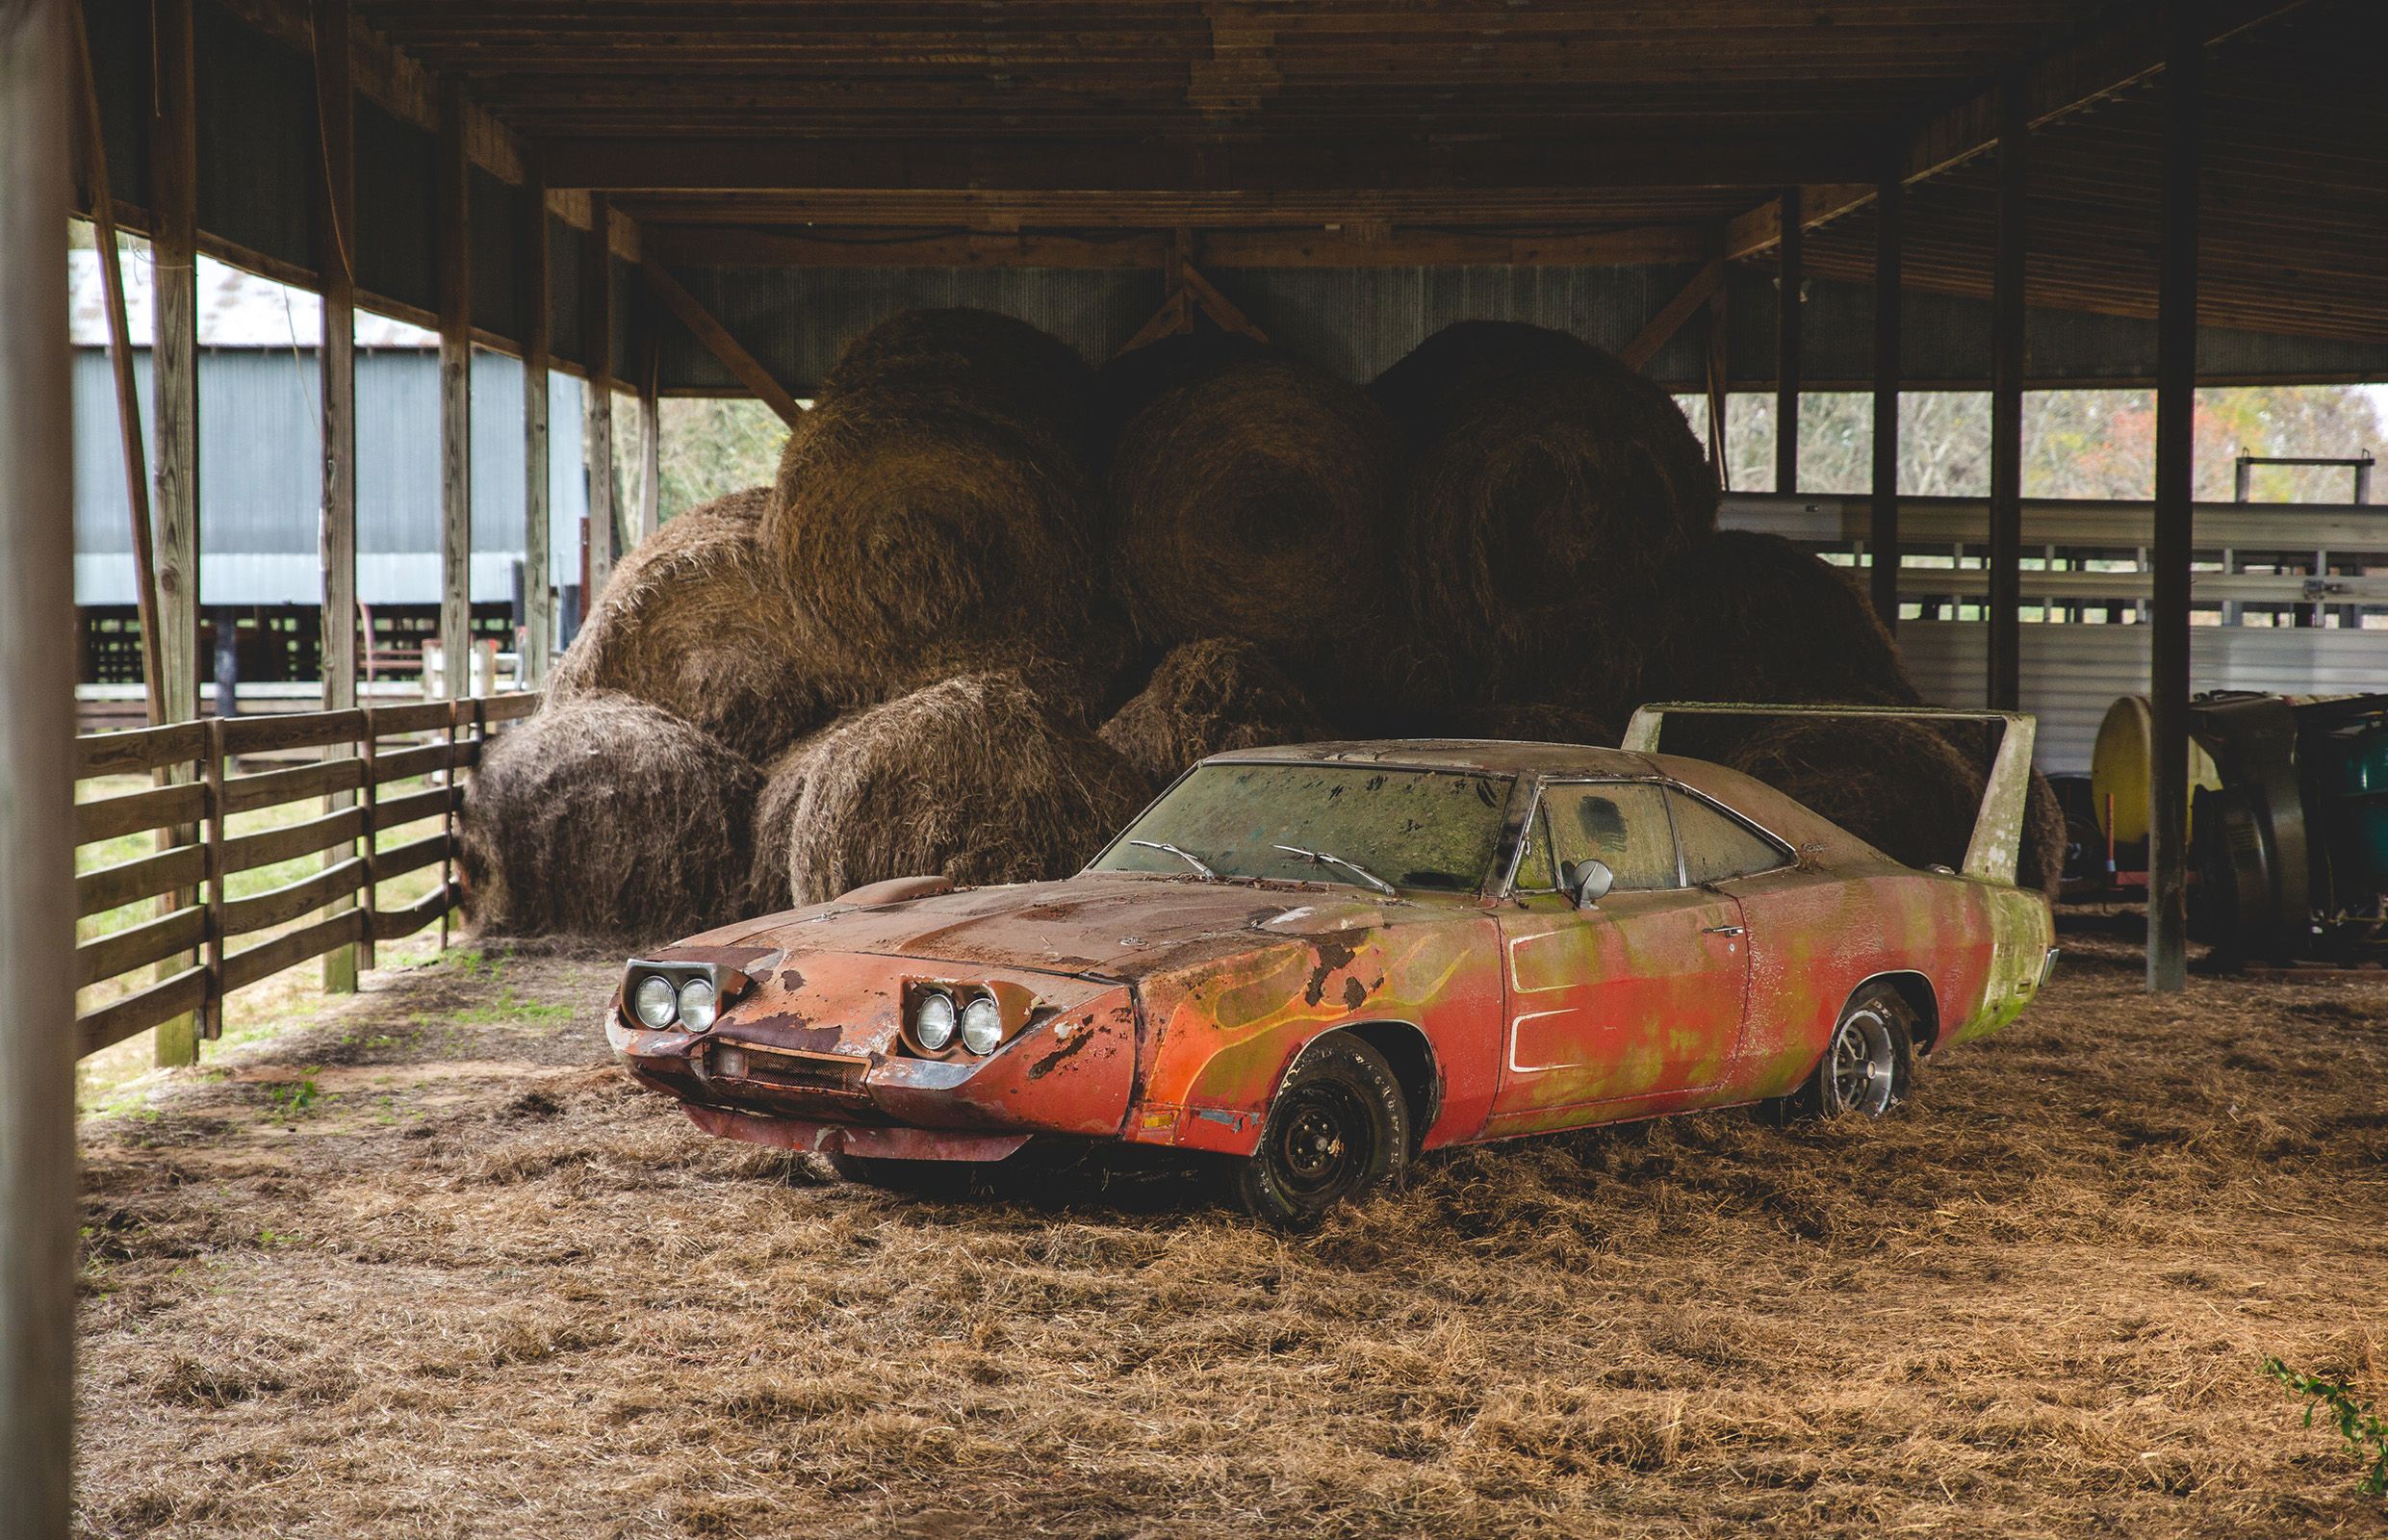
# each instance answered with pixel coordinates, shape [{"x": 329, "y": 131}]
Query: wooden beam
[
  {"x": 1760, "y": 229},
  {"x": 174, "y": 391},
  {"x": 2126, "y": 52},
  {"x": 1026, "y": 163},
  {"x": 1660, "y": 329},
  {"x": 1791, "y": 273},
  {"x": 335, "y": 260},
  {"x": 537, "y": 301},
  {"x": 1205, "y": 297},
  {"x": 1883, "y": 542},
  {"x": 597, "y": 546},
  {"x": 2005, "y": 602},
  {"x": 103, "y": 211},
  {"x": 649, "y": 501},
  {"x": 453, "y": 235},
  {"x": 742, "y": 365},
  {"x": 866, "y": 246},
  {"x": 1718, "y": 365},
  {"x": 37, "y": 814},
  {"x": 2176, "y": 406}
]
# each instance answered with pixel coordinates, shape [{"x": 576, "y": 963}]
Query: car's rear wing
[{"x": 1997, "y": 829}]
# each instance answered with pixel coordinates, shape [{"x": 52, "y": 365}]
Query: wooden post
[
  {"x": 2005, "y": 601},
  {"x": 120, "y": 356},
  {"x": 650, "y": 415},
  {"x": 1791, "y": 254},
  {"x": 369, "y": 750},
  {"x": 1884, "y": 540},
  {"x": 212, "y": 771},
  {"x": 455, "y": 299},
  {"x": 37, "y": 814},
  {"x": 335, "y": 242},
  {"x": 174, "y": 390},
  {"x": 1718, "y": 363},
  {"x": 2176, "y": 406},
  {"x": 538, "y": 592},
  {"x": 596, "y": 416}
]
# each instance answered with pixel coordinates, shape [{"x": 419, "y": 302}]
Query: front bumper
[{"x": 769, "y": 1074}]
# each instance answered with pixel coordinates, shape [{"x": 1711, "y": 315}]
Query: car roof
[{"x": 1491, "y": 756}]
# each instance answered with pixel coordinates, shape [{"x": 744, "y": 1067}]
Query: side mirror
[{"x": 1588, "y": 882}]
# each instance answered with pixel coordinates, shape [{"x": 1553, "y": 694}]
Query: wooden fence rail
[{"x": 201, "y": 785}]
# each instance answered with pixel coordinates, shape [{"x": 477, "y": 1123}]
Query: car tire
[
  {"x": 1338, "y": 1126},
  {"x": 919, "y": 1178},
  {"x": 1868, "y": 1062}
]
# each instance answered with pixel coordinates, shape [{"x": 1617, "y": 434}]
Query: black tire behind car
[{"x": 1338, "y": 1127}]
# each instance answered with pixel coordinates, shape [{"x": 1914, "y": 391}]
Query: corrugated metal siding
[
  {"x": 259, "y": 479},
  {"x": 1356, "y": 321},
  {"x": 395, "y": 243},
  {"x": 495, "y": 223},
  {"x": 2071, "y": 674},
  {"x": 120, "y": 50}
]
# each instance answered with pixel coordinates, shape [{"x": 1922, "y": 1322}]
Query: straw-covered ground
[{"x": 430, "y": 1266}]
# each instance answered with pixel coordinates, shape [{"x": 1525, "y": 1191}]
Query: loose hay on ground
[
  {"x": 601, "y": 816},
  {"x": 1206, "y": 698},
  {"x": 977, "y": 777},
  {"x": 694, "y": 622},
  {"x": 2034, "y": 1303}
]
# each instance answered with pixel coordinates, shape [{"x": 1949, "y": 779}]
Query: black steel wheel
[
  {"x": 1867, "y": 1061},
  {"x": 1338, "y": 1127}
]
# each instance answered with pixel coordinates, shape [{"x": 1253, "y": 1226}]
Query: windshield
[{"x": 1420, "y": 829}]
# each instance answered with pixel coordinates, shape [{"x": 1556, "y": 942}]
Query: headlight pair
[
  {"x": 935, "y": 1021},
  {"x": 658, "y": 1001}
]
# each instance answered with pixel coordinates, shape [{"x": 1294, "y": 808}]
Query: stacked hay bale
[
  {"x": 1751, "y": 617},
  {"x": 693, "y": 623},
  {"x": 607, "y": 818},
  {"x": 1550, "y": 485},
  {"x": 938, "y": 509},
  {"x": 977, "y": 777},
  {"x": 1206, "y": 698},
  {"x": 1251, "y": 499}
]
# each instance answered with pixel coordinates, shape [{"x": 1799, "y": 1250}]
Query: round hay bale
[
  {"x": 975, "y": 777},
  {"x": 939, "y": 496},
  {"x": 695, "y": 623},
  {"x": 1528, "y": 722},
  {"x": 1253, "y": 500},
  {"x": 1206, "y": 698},
  {"x": 1133, "y": 380},
  {"x": 1897, "y": 785},
  {"x": 1754, "y": 617},
  {"x": 1550, "y": 487},
  {"x": 605, "y": 818},
  {"x": 781, "y": 793}
]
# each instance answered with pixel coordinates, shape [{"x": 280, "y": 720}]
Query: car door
[{"x": 1633, "y": 1005}]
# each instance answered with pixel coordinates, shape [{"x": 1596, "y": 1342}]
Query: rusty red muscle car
[{"x": 1323, "y": 960}]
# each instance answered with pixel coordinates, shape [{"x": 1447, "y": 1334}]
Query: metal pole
[
  {"x": 2005, "y": 601},
  {"x": 1884, "y": 537},
  {"x": 1792, "y": 255},
  {"x": 2176, "y": 403},
  {"x": 37, "y": 782}
]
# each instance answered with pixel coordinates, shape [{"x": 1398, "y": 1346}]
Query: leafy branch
[{"x": 2366, "y": 1435}]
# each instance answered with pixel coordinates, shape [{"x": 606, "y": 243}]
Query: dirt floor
[{"x": 432, "y": 1266}]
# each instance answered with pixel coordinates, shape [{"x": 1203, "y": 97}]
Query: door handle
[{"x": 1722, "y": 930}]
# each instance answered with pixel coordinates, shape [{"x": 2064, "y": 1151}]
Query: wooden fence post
[
  {"x": 211, "y": 1015},
  {"x": 371, "y": 794}
]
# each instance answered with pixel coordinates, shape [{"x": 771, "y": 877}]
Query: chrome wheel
[{"x": 1861, "y": 1067}]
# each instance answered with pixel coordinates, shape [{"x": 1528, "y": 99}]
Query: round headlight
[
  {"x": 982, "y": 1025},
  {"x": 696, "y": 1005},
  {"x": 655, "y": 1002},
  {"x": 934, "y": 1025}
]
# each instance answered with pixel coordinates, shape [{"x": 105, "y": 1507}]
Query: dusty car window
[
  {"x": 1717, "y": 848},
  {"x": 1536, "y": 871},
  {"x": 1624, "y": 825},
  {"x": 1423, "y": 829}
]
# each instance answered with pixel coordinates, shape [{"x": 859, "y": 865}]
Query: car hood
[{"x": 1119, "y": 927}]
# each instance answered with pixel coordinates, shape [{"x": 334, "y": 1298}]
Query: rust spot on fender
[
  {"x": 1334, "y": 952},
  {"x": 1355, "y": 994},
  {"x": 1061, "y": 1053}
]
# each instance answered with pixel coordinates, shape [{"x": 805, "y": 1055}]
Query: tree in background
[
  {"x": 2076, "y": 444},
  {"x": 713, "y": 448}
]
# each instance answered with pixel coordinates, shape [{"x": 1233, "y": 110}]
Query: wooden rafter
[
  {"x": 742, "y": 365},
  {"x": 1662, "y": 327}
]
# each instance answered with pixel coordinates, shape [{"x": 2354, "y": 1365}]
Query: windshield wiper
[
  {"x": 1330, "y": 859},
  {"x": 1186, "y": 856}
]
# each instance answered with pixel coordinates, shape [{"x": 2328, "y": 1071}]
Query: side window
[
  {"x": 1621, "y": 823},
  {"x": 1717, "y": 848},
  {"x": 1536, "y": 872}
]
